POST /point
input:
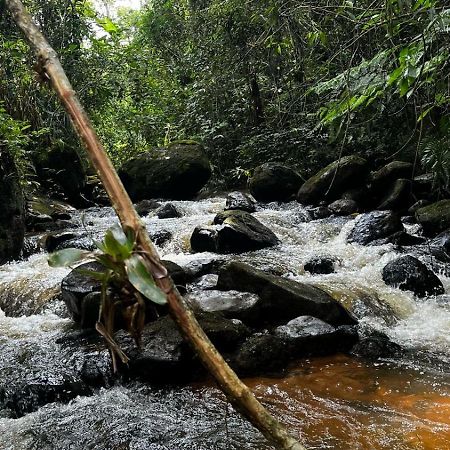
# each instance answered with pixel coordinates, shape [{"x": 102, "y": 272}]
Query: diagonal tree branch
[{"x": 237, "y": 392}]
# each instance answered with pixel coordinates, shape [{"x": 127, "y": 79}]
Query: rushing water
[{"x": 330, "y": 403}]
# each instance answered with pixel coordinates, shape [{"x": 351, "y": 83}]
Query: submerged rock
[
  {"x": 239, "y": 200},
  {"x": 234, "y": 232},
  {"x": 274, "y": 182},
  {"x": 409, "y": 274},
  {"x": 282, "y": 299},
  {"x": 434, "y": 218},
  {"x": 333, "y": 180},
  {"x": 12, "y": 218},
  {"x": 320, "y": 265},
  {"x": 374, "y": 225},
  {"x": 177, "y": 172}
]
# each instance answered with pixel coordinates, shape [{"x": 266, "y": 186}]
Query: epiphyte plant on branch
[{"x": 126, "y": 284}]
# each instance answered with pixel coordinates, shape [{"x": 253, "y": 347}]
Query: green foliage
[{"x": 126, "y": 282}]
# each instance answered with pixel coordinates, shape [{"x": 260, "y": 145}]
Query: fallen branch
[{"x": 237, "y": 392}]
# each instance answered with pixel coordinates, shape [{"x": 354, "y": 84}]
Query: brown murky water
[{"x": 344, "y": 403}]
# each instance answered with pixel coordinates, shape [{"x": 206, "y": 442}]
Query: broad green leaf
[
  {"x": 67, "y": 257},
  {"x": 141, "y": 279},
  {"x": 99, "y": 276}
]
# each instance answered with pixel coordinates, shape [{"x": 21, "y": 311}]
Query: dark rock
[
  {"x": 204, "y": 239},
  {"x": 282, "y": 299},
  {"x": 320, "y": 212},
  {"x": 12, "y": 218},
  {"x": 409, "y": 274},
  {"x": 375, "y": 345},
  {"x": 343, "y": 207},
  {"x": 239, "y": 200},
  {"x": 160, "y": 237},
  {"x": 261, "y": 354},
  {"x": 61, "y": 165},
  {"x": 243, "y": 306},
  {"x": 168, "y": 211},
  {"x": 398, "y": 197},
  {"x": 274, "y": 182},
  {"x": 177, "y": 273},
  {"x": 442, "y": 241},
  {"x": 389, "y": 174},
  {"x": 53, "y": 241},
  {"x": 333, "y": 180},
  {"x": 434, "y": 218},
  {"x": 309, "y": 336},
  {"x": 374, "y": 225},
  {"x": 423, "y": 187},
  {"x": 400, "y": 238},
  {"x": 408, "y": 220},
  {"x": 322, "y": 265},
  {"x": 235, "y": 231},
  {"x": 420, "y": 204},
  {"x": 177, "y": 172},
  {"x": 144, "y": 207}
]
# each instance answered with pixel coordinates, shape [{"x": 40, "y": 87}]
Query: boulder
[
  {"x": 423, "y": 187},
  {"x": 309, "y": 336},
  {"x": 282, "y": 299},
  {"x": 144, "y": 207},
  {"x": 409, "y": 274},
  {"x": 12, "y": 219},
  {"x": 374, "y": 225},
  {"x": 389, "y": 174},
  {"x": 434, "y": 218},
  {"x": 333, "y": 180},
  {"x": 320, "y": 212},
  {"x": 398, "y": 196},
  {"x": 177, "y": 172},
  {"x": 419, "y": 204},
  {"x": 442, "y": 242},
  {"x": 320, "y": 265},
  {"x": 343, "y": 207},
  {"x": 233, "y": 231},
  {"x": 274, "y": 182},
  {"x": 243, "y": 306},
  {"x": 239, "y": 200},
  {"x": 61, "y": 171},
  {"x": 168, "y": 211},
  {"x": 374, "y": 345}
]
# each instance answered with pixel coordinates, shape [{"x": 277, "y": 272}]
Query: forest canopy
[{"x": 254, "y": 81}]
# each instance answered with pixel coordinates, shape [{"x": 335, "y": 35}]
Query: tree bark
[{"x": 237, "y": 392}]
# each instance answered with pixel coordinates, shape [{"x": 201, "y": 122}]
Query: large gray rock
[
  {"x": 239, "y": 200},
  {"x": 409, "y": 274},
  {"x": 434, "y": 218},
  {"x": 233, "y": 231},
  {"x": 176, "y": 172},
  {"x": 373, "y": 226},
  {"x": 333, "y": 180},
  {"x": 12, "y": 218},
  {"x": 282, "y": 299},
  {"x": 274, "y": 182}
]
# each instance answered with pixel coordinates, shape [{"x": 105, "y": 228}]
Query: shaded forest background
[{"x": 300, "y": 82}]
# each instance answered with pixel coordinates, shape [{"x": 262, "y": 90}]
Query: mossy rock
[{"x": 434, "y": 218}]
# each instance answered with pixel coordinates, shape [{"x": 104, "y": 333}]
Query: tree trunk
[{"x": 237, "y": 392}]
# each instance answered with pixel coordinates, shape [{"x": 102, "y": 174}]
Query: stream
[{"x": 335, "y": 402}]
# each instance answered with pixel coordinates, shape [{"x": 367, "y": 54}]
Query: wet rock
[
  {"x": 261, "y": 354},
  {"x": 442, "y": 242},
  {"x": 177, "y": 172},
  {"x": 243, "y": 306},
  {"x": 274, "y": 182},
  {"x": 343, "y": 207},
  {"x": 168, "y": 211},
  {"x": 239, "y": 200},
  {"x": 309, "y": 336},
  {"x": 57, "y": 240},
  {"x": 204, "y": 239},
  {"x": 321, "y": 265},
  {"x": 434, "y": 218},
  {"x": 409, "y": 274},
  {"x": 423, "y": 187},
  {"x": 282, "y": 299},
  {"x": 144, "y": 207},
  {"x": 389, "y": 174},
  {"x": 234, "y": 232},
  {"x": 177, "y": 273},
  {"x": 398, "y": 197},
  {"x": 12, "y": 218},
  {"x": 375, "y": 345},
  {"x": 374, "y": 225},
  {"x": 160, "y": 237},
  {"x": 400, "y": 238},
  {"x": 333, "y": 180},
  {"x": 320, "y": 212}
]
